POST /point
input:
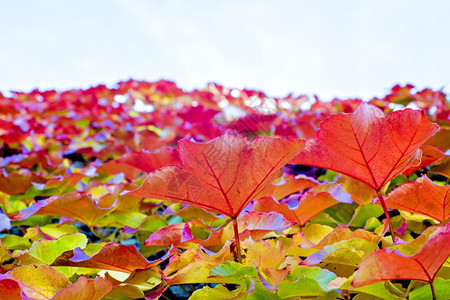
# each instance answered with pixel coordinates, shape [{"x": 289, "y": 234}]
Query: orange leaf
[
  {"x": 112, "y": 256},
  {"x": 85, "y": 288},
  {"x": 430, "y": 154},
  {"x": 76, "y": 205},
  {"x": 390, "y": 265},
  {"x": 368, "y": 145},
  {"x": 286, "y": 185},
  {"x": 361, "y": 193},
  {"x": 422, "y": 196},
  {"x": 223, "y": 175},
  {"x": 133, "y": 163},
  {"x": 310, "y": 204}
]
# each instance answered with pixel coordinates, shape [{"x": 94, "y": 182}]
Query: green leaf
[
  {"x": 125, "y": 218},
  {"x": 14, "y": 242},
  {"x": 342, "y": 212},
  {"x": 363, "y": 213},
  {"x": 305, "y": 281},
  {"x": 46, "y": 251},
  {"x": 441, "y": 286},
  {"x": 233, "y": 272},
  {"x": 218, "y": 292},
  {"x": 124, "y": 292},
  {"x": 372, "y": 224},
  {"x": 377, "y": 290}
]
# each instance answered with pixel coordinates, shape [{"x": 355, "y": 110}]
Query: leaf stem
[
  {"x": 96, "y": 233},
  {"x": 386, "y": 213},
  {"x": 185, "y": 290},
  {"x": 433, "y": 291},
  {"x": 236, "y": 237}
]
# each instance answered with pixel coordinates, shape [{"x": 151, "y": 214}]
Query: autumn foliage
[{"x": 144, "y": 190}]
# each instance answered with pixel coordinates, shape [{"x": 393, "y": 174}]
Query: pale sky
[{"x": 344, "y": 49}]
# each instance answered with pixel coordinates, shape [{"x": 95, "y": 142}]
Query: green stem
[
  {"x": 386, "y": 213},
  {"x": 236, "y": 237}
]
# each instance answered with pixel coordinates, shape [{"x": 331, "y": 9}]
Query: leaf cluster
[{"x": 144, "y": 190}]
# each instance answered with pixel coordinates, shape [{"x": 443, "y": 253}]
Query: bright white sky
[{"x": 348, "y": 48}]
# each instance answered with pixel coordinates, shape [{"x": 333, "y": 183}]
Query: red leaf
[
  {"x": 10, "y": 289},
  {"x": 149, "y": 162},
  {"x": 112, "y": 256},
  {"x": 422, "y": 196},
  {"x": 386, "y": 265},
  {"x": 223, "y": 175},
  {"x": 368, "y": 145},
  {"x": 430, "y": 154},
  {"x": 197, "y": 114},
  {"x": 16, "y": 183},
  {"x": 253, "y": 123}
]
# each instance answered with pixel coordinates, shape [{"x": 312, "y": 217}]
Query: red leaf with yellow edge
[
  {"x": 422, "y": 196},
  {"x": 223, "y": 175},
  {"x": 392, "y": 265},
  {"x": 369, "y": 145},
  {"x": 310, "y": 204},
  {"x": 85, "y": 288},
  {"x": 112, "y": 256},
  {"x": 78, "y": 206}
]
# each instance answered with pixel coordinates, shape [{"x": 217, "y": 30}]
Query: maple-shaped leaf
[
  {"x": 223, "y": 175},
  {"x": 385, "y": 265},
  {"x": 112, "y": 256},
  {"x": 78, "y": 206},
  {"x": 309, "y": 204},
  {"x": 368, "y": 145},
  {"x": 422, "y": 196}
]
